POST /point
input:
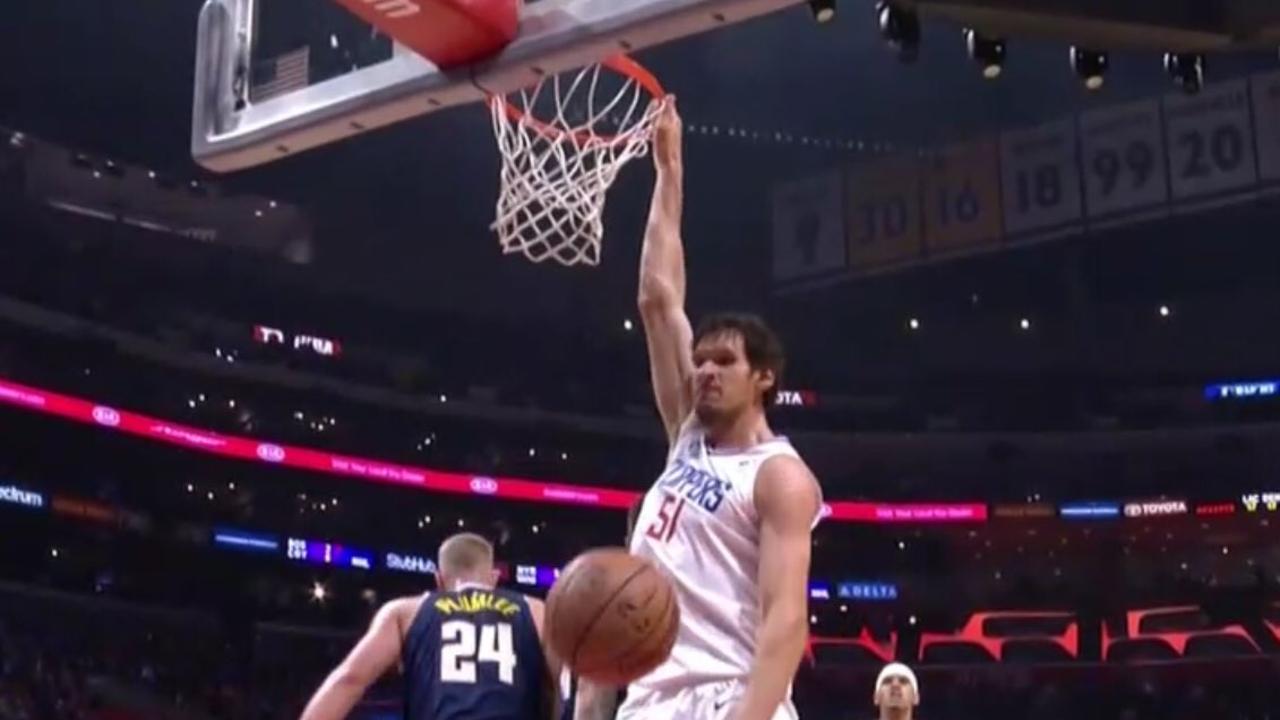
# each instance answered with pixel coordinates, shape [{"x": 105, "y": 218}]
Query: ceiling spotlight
[
  {"x": 1025, "y": 324},
  {"x": 319, "y": 592},
  {"x": 1165, "y": 311},
  {"x": 824, "y": 11},
  {"x": 913, "y": 323},
  {"x": 1186, "y": 69},
  {"x": 1090, "y": 65},
  {"x": 987, "y": 52},
  {"x": 900, "y": 28}
]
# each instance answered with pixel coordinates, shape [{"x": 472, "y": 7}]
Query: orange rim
[{"x": 621, "y": 64}]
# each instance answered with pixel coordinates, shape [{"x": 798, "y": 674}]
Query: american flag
[{"x": 286, "y": 73}]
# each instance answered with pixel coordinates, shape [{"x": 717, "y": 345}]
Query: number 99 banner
[{"x": 1123, "y": 158}]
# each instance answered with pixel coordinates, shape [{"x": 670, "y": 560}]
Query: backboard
[{"x": 277, "y": 77}]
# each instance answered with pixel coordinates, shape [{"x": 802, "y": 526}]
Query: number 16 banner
[
  {"x": 1040, "y": 177},
  {"x": 962, "y": 198},
  {"x": 1123, "y": 158}
]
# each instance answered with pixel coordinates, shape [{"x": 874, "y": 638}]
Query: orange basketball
[{"x": 612, "y": 617}]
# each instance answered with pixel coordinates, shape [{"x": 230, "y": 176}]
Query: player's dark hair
[{"x": 762, "y": 345}]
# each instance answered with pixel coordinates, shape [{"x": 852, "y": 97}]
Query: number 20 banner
[{"x": 1210, "y": 140}]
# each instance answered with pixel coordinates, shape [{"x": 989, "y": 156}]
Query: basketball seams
[
  {"x": 671, "y": 607},
  {"x": 608, "y": 603}
]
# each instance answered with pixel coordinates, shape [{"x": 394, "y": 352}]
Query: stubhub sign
[
  {"x": 410, "y": 563},
  {"x": 17, "y": 496}
]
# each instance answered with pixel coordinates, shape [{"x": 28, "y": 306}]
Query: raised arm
[
  {"x": 377, "y": 652},
  {"x": 668, "y": 333}
]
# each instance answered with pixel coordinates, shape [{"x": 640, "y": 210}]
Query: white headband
[{"x": 897, "y": 668}]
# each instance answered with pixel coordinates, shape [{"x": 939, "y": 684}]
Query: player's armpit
[
  {"x": 375, "y": 653},
  {"x": 787, "y": 500}
]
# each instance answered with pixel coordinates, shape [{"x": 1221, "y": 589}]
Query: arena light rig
[
  {"x": 1090, "y": 65},
  {"x": 988, "y": 52},
  {"x": 900, "y": 28},
  {"x": 1186, "y": 69},
  {"x": 824, "y": 11}
]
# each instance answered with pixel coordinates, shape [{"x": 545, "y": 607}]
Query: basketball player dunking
[
  {"x": 730, "y": 518},
  {"x": 468, "y": 651}
]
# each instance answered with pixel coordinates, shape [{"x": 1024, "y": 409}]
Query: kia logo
[
  {"x": 484, "y": 485},
  {"x": 106, "y": 416},
  {"x": 271, "y": 453}
]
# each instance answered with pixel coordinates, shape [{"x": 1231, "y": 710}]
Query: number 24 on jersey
[{"x": 460, "y": 652}]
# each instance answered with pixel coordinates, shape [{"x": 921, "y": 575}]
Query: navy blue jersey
[{"x": 474, "y": 654}]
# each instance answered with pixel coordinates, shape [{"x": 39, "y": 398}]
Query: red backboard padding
[{"x": 446, "y": 32}]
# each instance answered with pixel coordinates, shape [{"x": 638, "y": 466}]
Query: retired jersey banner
[
  {"x": 961, "y": 194},
  {"x": 1040, "y": 177},
  {"x": 884, "y": 220},
  {"x": 1265, "y": 90},
  {"x": 1122, "y": 154},
  {"x": 808, "y": 227},
  {"x": 1210, "y": 140}
]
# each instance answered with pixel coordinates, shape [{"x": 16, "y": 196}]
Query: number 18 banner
[
  {"x": 1040, "y": 177},
  {"x": 1123, "y": 158}
]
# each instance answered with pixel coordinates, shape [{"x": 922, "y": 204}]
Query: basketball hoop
[{"x": 563, "y": 142}]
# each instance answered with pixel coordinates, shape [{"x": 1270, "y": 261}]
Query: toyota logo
[
  {"x": 106, "y": 416},
  {"x": 271, "y": 453},
  {"x": 484, "y": 485}
]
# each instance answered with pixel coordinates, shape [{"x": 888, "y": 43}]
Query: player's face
[
  {"x": 895, "y": 692},
  {"x": 725, "y": 385}
]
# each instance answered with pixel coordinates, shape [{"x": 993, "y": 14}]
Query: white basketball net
[{"x": 556, "y": 172}]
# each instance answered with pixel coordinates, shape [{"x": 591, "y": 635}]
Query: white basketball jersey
[{"x": 698, "y": 523}]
